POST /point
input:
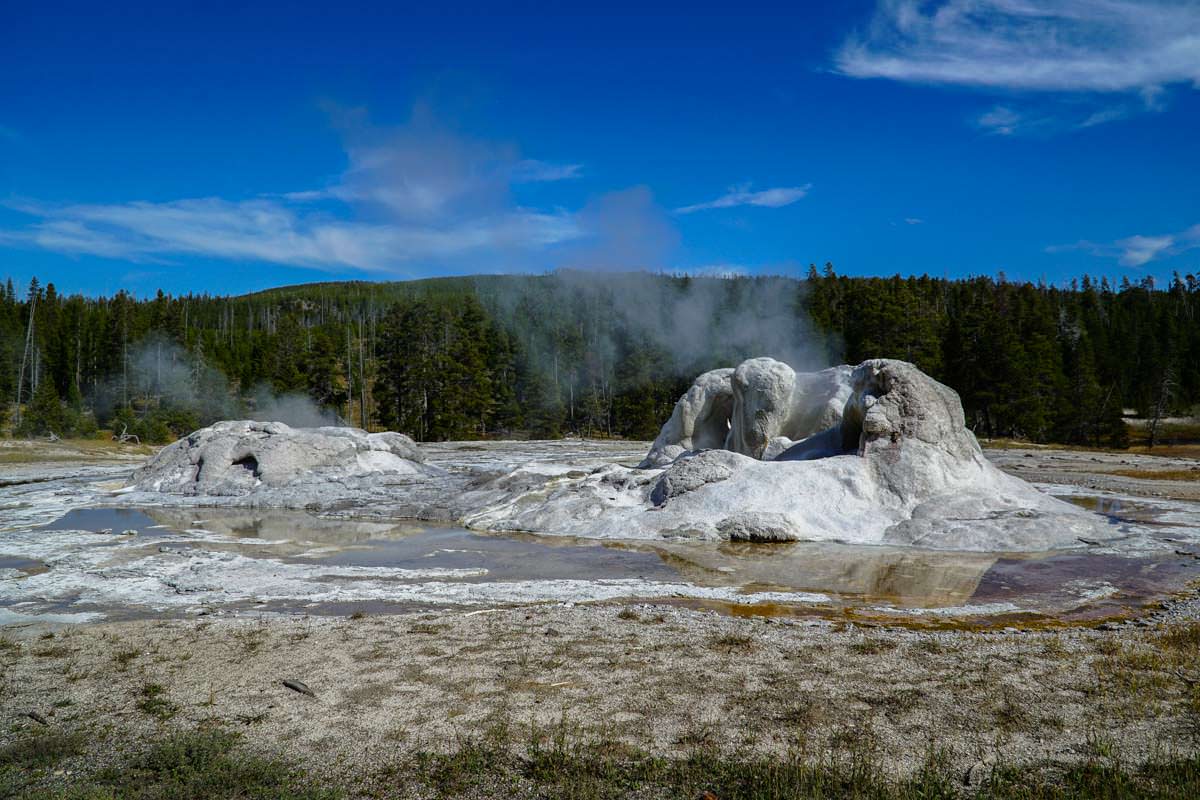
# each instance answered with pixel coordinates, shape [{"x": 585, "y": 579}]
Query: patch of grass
[
  {"x": 204, "y": 765},
  {"x": 629, "y": 614},
  {"x": 897, "y": 702},
  {"x": 53, "y": 651},
  {"x": 871, "y": 645},
  {"x": 124, "y": 657},
  {"x": 1182, "y": 638},
  {"x": 211, "y": 763},
  {"x": 251, "y": 639},
  {"x": 732, "y": 642},
  {"x": 1167, "y": 780},
  {"x": 560, "y": 771},
  {"x": 153, "y": 702},
  {"x": 1012, "y": 712},
  {"x": 40, "y": 750}
]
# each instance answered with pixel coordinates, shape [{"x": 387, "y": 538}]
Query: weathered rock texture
[
  {"x": 759, "y": 409},
  {"x": 700, "y": 420},
  {"x": 237, "y": 458}
]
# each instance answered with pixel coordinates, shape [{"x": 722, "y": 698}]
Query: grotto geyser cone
[
  {"x": 240, "y": 458},
  {"x": 875, "y": 454}
]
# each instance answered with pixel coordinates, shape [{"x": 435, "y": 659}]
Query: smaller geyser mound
[
  {"x": 240, "y": 457},
  {"x": 875, "y": 454}
]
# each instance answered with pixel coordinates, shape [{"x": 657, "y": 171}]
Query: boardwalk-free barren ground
[{"x": 646, "y": 680}]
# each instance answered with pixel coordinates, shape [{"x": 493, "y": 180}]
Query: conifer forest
[{"x": 589, "y": 354}]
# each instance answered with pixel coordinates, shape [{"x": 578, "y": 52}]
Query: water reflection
[{"x": 851, "y": 575}]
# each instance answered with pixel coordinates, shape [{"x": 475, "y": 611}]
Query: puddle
[
  {"x": 15, "y": 567},
  {"x": 114, "y": 520},
  {"x": 184, "y": 561},
  {"x": 515, "y": 557},
  {"x": 1121, "y": 510}
]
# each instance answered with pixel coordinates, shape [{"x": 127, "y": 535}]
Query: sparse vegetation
[
  {"x": 732, "y": 642},
  {"x": 214, "y": 763},
  {"x": 122, "y": 658},
  {"x": 152, "y": 701},
  {"x": 200, "y": 765}
]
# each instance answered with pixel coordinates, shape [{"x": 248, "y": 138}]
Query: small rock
[
  {"x": 297, "y": 686},
  {"x": 553, "y": 632}
]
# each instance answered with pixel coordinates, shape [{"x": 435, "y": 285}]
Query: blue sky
[{"x": 224, "y": 148}]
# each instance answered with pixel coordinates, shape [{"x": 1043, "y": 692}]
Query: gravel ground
[
  {"x": 659, "y": 678},
  {"x": 1090, "y": 469}
]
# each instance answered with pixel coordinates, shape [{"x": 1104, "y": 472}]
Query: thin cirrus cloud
[
  {"x": 1138, "y": 250},
  {"x": 744, "y": 196},
  {"x": 271, "y": 231},
  {"x": 1001, "y": 120},
  {"x": 1102, "y": 47},
  {"x": 413, "y": 193}
]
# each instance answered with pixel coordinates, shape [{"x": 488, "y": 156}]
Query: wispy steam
[
  {"x": 158, "y": 373},
  {"x": 692, "y": 323}
]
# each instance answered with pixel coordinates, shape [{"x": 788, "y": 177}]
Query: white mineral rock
[
  {"x": 236, "y": 458},
  {"x": 895, "y": 465}
]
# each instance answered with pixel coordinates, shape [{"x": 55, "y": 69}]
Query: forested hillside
[{"x": 595, "y": 354}]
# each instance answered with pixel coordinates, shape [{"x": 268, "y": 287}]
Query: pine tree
[{"x": 44, "y": 414}]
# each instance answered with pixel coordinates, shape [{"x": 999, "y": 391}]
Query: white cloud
[
  {"x": 533, "y": 171},
  {"x": 1000, "y": 120},
  {"x": 1135, "y": 251},
  {"x": 1055, "y": 45},
  {"x": 414, "y": 193},
  {"x": 913, "y": 221},
  {"x": 1103, "y": 115},
  {"x": 743, "y": 196},
  {"x": 274, "y": 232}
]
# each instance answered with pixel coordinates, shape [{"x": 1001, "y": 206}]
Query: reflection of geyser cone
[
  {"x": 276, "y": 525},
  {"x": 909, "y": 577}
]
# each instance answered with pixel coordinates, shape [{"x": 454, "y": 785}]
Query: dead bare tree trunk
[
  {"x": 25, "y": 355},
  {"x": 1165, "y": 390},
  {"x": 362, "y": 383},
  {"x": 349, "y": 382}
]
